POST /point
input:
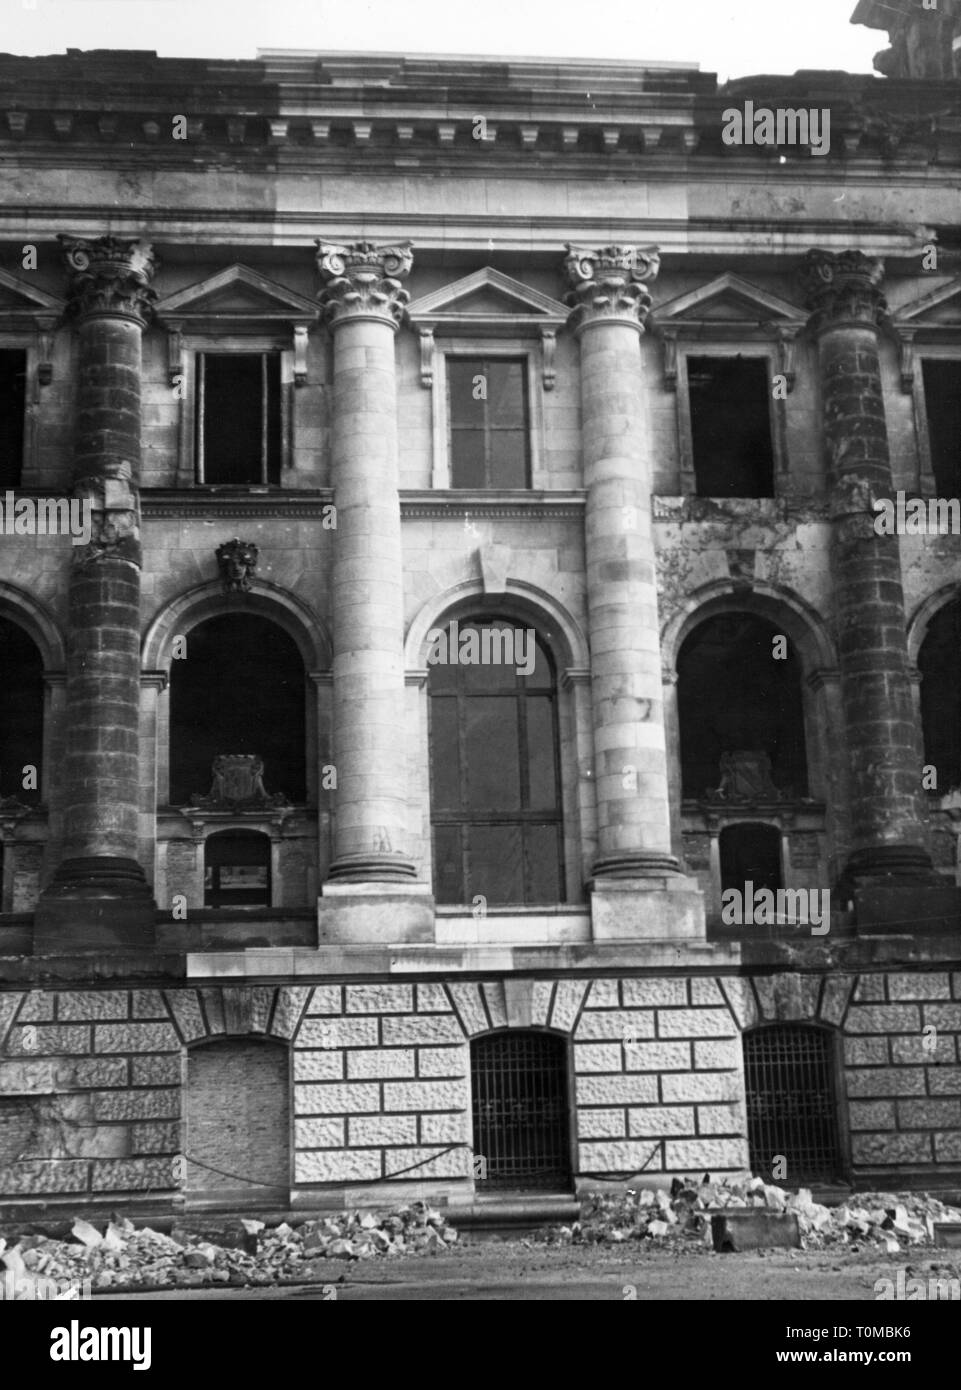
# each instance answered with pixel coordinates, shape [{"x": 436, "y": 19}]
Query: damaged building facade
[{"x": 366, "y": 365}]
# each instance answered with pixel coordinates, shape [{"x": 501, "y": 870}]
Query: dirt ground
[{"x": 491, "y": 1269}]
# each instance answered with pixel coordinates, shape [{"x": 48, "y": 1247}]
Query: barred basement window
[
  {"x": 792, "y": 1102},
  {"x": 13, "y": 395},
  {"x": 237, "y": 869},
  {"x": 489, "y": 422},
  {"x": 521, "y": 1124},
  {"x": 239, "y": 426},
  {"x": 731, "y": 426},
  {"x": 942, "y": 402}
]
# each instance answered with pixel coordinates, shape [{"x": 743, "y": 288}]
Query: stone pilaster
[
  {"x": 882, "y": 739},
  {"x": 99, "y": 898},
  {"x": 363, "y": 302},
  {"x": 610, "y": 302}
]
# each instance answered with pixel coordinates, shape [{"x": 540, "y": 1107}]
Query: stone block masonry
[{"x": 96, "y": 1096}]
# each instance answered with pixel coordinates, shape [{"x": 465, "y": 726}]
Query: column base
[
  {"x": 372, "y": 868},
  {"x": 668, "y": 907},
  {"x": 886, "y": 866},
  {"x": 635, "y": 864},
  {"x": 374, "y": 914},
  {"x": 93, "y": 905}
]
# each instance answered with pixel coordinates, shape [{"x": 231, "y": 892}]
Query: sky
[{"x": 731, "y": 39}]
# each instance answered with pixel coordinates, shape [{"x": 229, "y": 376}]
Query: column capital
[
  {"x": 109, "y": 278},
  {"x": 362, "y": 281},
  {"x": 610, "y": 284},
  {"x": 843, "y": 288}
]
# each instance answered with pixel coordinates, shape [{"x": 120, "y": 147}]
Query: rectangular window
[
  {"x": 13, "y": 395},
  {"x": 942, "y": 399},
  {"x": 731, "y": 426},
  {"x": 489, "y": 422},
  {"x": 239, "y": 426}
]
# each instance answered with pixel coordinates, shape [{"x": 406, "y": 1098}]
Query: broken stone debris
[
  {"x": 245, "y": 1252},
  {"x": 889, "y": 1221}
]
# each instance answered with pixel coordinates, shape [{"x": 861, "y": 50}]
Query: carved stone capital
[
  {"x": 109, "y": 278},
  {"x": 363, "y": 281},
  {"x": 843, "y": 288},
  {"x": 610, "y": 283}
]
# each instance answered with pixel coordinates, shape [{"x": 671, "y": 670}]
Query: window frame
[
  {"x": 685, "y": 424},
  {"x": 935, "y": 352},
  {"x": 488, "y": 349},
  {"x": 200, "y": 368},
  {"x": 11, "y": 340},
  {"x": 488, "y": 431}
]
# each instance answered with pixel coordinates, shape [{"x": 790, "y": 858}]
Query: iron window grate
[
  {"x": 520, "y": 1111},
  {"x": 792, "y": 1103}
]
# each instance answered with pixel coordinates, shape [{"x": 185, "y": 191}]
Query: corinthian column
[
  {"x": 844, "y": 292},
  {"x": 99, "y": 897},
  {"x": 363, "y": 303},
  {"x": 611, "y": 302}
]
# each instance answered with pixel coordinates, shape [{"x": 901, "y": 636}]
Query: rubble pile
[
  {"x": 248, "y": 1252},
  {"x": 890, "y": 1221}
]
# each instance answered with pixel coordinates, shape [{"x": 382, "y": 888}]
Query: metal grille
[
  {"x": 791, "y": 1102},
  {"x": 520, "y": 1111}
]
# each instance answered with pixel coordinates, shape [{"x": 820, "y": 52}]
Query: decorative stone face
[
  {"x": 237, "y": 560},
  {"x": 843, "y": 288},
  {"x": 610, "y": 283},
  {"x": 109, "y": 278},
  {"x": 363, "y": 280}
]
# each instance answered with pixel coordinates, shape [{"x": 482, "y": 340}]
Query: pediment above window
[
  {"x": 934, "y": 317},
  {"x": 23, "y": 306},
  {"x": 487, "y": 304},
  {"x": 237, "y": 300},
  {"x": 728, "y": 309}
]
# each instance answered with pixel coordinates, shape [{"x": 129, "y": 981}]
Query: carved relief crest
[{"x": 238, "y": 784}]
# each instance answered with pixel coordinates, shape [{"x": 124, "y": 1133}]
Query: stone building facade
[{"x": 344, "y": 355}]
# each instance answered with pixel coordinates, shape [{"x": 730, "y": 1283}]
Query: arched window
[
  {"x": 240, "y": 689},
  {"x": 740, "y": 710},
  {"x": 939, "y": 662},
  {"x": 237, "y": 1148},
  {"x": 792, "y": 1107},
  {"x": 521, "y": 1122},
  {"x": 21, "y": 714},
  {"x": 494, "y": 766},
  {"x": 237, "y": 869},
  {"x": 750, "y": 853}
]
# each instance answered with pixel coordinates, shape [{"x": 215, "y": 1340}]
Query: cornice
[{"x": 173, "y": 504}]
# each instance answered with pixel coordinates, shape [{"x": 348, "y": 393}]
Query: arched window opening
[
  {"x": 939, "y": 662},
  {"x": 741, "y": 712},
  {"x": 237, "y": 869},
  {"x": 494, "y": 766},
  {"x": 21, "y": 715},
  {"x": 750, "y": 853},
  {"x": 521, "y": 1121},
  {"x": 792, "y": 1110},
  {"x": 240, "y": 689}
]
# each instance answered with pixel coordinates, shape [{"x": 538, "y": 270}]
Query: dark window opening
[
  {"x": 731, "y": 426},
  {"x": 750, "y": 853},
  {"x": 942, "y": 399},
  {"x": 939, "y": 662},
  {"x": 495, "y": 776},
  {"x": 792, "y": 1103},
  {"x": 238, "y": 418},
  {"x": 13, "y": 396},
  {"x": 21, "y": 714},
  {"x": 237, "y": 869},
  {"x": 521, "y": 1125},
  {"x": 241, "y": 689},
  {"x": 489, "y": 422},
  {"x": 733, "y": 696}
]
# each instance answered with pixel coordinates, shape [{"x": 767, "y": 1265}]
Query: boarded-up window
[{"x": 238, "y": 1117}]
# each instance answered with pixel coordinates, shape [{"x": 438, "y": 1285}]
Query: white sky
[{"x": 732, "y": 39}]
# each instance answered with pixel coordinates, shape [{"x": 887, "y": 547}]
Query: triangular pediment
[
  {"x": 729, "y": 301},
  {"x": 238, "y": 294},
  {"x": 939, "y": 308},
  {"x": 485, "y": 298},
  {"x": 17, "y": 297}
]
